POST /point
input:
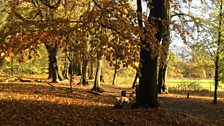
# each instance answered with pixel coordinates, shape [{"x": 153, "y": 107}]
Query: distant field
[{"x": 201, "y": 84}]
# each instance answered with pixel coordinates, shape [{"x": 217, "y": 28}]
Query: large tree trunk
[
  {"x": 114, "y": 77},
  {"x": 65, "y": 72},
  {"x": 50, "y": 67},
  {"x": 76, "y": 67},
  {"x": 115, "y": 73},
  {"x": 54, "y": 71},
  {"x": 162, "y": 79},
  {"x": 148, "y": 80},
  {"x": 72, "y": 71},
  {"x": 96, "y": 86},
  {"x": 147, "y": 95},
  {"x": 165, "y": 49},
  {"x": 135, "y": 80},
  {"x": 102, "y": 73},
  {"x": 216, "y": 79},
  {"x": 217, "y": 57},
  {"x": 83, "y": 79},
  {"x": 85, "y": 62},
  {"x": 91, "y": 71}
]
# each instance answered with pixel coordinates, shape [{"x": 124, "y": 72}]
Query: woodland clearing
[{"x": 38, "y": 103}]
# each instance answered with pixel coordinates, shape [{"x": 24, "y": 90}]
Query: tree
[
  {"x": 84, "y": 64},
  {"x": 91, "y": 70},
  {"x": 149, "y": 53},
  {"x": 42, "y": 20},
  {"x": 211, "y": 40},
  {"x": 112, "y": 26},
  {"x": 218, "y": 51},
  {"x": 165, "y": 48},
  {"x": 135, "y": 80},
  {"x": 115, "y": 72},
  {"x": 102, "y": 73},
  {"x": 96, "y": 86},
  {"x": 54, "y": 70},
  {"x": 36, "y": 22}
]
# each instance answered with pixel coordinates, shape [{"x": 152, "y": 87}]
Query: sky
[
  {"x": 177, "y": 42},
  {"x": 194, "y": 8}
]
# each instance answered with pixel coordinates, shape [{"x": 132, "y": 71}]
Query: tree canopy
[{"x": 127, "y": 33}]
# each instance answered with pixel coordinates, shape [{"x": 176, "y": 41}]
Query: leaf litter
[{"x": 37, "y": 104}]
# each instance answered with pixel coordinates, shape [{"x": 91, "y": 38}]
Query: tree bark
[
  {"x": 165, "y": 48},
  {"x": 84, "y": 73},
  {"x": 217, "y": 57},
  {"x": 102, "y": 73},
  {"x": 216, "y": 79},
  {"x": 77, "y": 68},
  {"x": 114, "y": 77},
  {"x": 65, "y": 72},
  {"x": 91, "y": 71},
  {"x": 148, "y": 70},
  {"x": 53, "y": 67},
  {"x": 96, "y": 86},
  {"x": 148, "y": 80},
  {"x": 72, "y": 72},
  {"x": 135, "y": 80},
  {"x": 115, "y": 73},
  {"x": 161, "y": 79}
]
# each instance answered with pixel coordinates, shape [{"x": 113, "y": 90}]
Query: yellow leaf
[{"x": 8, "y": 59}]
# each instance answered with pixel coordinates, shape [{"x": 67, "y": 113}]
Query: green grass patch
[
  {"x": 176, "y": 84},
  {"x": 202, "y": 84}
]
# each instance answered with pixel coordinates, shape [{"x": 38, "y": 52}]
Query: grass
[
  {"x": 202, "y": 84},
  {"x": 193, "y": 84},
  {"x": 121, "y": 81}
]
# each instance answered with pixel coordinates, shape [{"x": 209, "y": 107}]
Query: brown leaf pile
[{"x": 39, "y": 104}]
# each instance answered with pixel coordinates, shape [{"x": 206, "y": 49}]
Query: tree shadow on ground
[
  {"x": 31, "y": 112},
  {"x": 46, "y": 113},
  {"x": 194, "y": 106},
  {"x": 63, "y": 92},
  {"x": 46, "y": 106}
]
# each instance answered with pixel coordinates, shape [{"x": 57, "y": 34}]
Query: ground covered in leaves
[{"x": 38, "y": 103}]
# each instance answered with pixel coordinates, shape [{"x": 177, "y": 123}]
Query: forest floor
[{"x": 42, "y": 103}]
